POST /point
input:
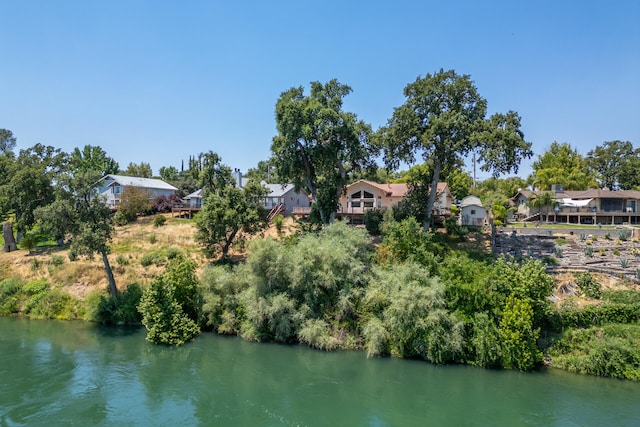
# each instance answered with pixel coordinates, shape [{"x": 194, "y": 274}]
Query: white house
[
  {"x": 111, "y": 186},
  {"x": 472, "y": 212}
]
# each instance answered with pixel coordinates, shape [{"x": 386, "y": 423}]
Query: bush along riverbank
[{"x": 411, "y": 295}]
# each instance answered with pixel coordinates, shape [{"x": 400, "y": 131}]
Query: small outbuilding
[{"x": 472, "y": 213}]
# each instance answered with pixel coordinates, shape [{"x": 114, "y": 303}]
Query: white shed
[{"x": 472, "y": 212}]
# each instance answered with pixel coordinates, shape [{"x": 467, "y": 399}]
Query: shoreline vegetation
[{"x": 407, "y": 293}]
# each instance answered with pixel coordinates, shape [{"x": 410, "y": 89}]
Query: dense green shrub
[
  {"x": 621, "y": 296},
  {"x": 376, "y": 337},
  {"x": 29, "y": 241},
  {"x": 611, "y": 350},
  {"x": 407, "y": 240},
  {"x": 278, "y": 221},
  {"x": 121, "y": 309},
  {"x": 10, "y": 296},
  {"x": 122, "y": 260},
  {"x": 454, "y": 229},
  {"x": 56, "y": 260},
  {"x": 316, "y": 333},
  {"x": 485, "y": 341},
  {"x": 150, "y": 258},
  {"x": 518, "y": 335},
  {"x": 121, "y": 219},
  {"x": 53, "y": 304},
  {"x": 589, "y": 285},
  {"x": 284, "y": 285},
  {"x": 414, "y": 322},
  {"x": 173, "y": 253},
  {"x": 171, "y": 306},
  {"x": 222, "y": 286},
  {"x": 159, "y": 220},
  {"x": 373, "y": 221},
  {"x": 569, "y": 316},
  {"x": 36, "y": 299}
]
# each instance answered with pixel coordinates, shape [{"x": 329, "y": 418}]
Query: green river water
[{"x": 73, "y": 373}]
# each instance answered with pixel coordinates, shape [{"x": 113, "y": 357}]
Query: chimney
[{"x": 238, "y": 176}]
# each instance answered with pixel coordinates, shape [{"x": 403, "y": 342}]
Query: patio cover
[{"x": 575, "y": 203}]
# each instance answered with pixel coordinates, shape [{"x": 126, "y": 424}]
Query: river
[{"x": 74, "y": 373}]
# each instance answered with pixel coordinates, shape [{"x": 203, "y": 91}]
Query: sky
[{"x": 157, "y": 81}]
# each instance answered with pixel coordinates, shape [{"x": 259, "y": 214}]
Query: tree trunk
[
  {"x": 113, "y": 290},
  {"x": 9, "y": 240},
  {"x": 227, "y": 244},
  {"x": 432, "y": 196}
]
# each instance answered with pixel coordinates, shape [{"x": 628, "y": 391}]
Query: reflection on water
[{"x": 73, "y": 373}]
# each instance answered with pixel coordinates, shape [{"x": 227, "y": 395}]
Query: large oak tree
[
  {"x": 615, "y": 164},
  {"x": 443, "y": 120},
  {"x": 78, "y": 213},
  {"x": 318, "y": 143}
]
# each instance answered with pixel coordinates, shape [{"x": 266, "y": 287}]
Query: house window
[
  {"x": 362, "y": 199},
  {"x": 473, "y": 211},
  {"x": 116, "y": 189}
]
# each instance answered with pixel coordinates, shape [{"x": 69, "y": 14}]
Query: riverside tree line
[{"x": 331, "y": 288}]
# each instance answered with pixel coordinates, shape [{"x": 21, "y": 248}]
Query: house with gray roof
[
  {"x": 111, "y": 186},
  {"x": 280, "y": 198}
]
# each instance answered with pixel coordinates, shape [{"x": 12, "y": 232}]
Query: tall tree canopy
[
  {"x": 168, "y": 173},
  {"x": 442, "y": 121},
  {"x": 318, "y": 143},
  {"x": 92, "y": 158},
  {"x": 264, "y": 171},
  {"x": 143, "y": 170},
  {"x": 561, "y": 164},
  {"x": 30, "y": 183},
  {"x": 7, "y": 141},
  {"x": 615, "y": 165}
]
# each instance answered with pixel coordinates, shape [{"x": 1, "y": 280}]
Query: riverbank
[{"x": 335, "y": 301}]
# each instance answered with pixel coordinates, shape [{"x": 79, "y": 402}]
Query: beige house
[
  {"x": 363, "y": 195},
  {"x": 595, "y": 206}
]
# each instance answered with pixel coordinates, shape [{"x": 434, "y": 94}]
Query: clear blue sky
[{"x": 157, "y": 81}]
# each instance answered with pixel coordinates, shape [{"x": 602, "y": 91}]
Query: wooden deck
[{"x": 180, "y": 211}]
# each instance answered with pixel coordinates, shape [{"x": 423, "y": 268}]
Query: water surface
[{"x": 74, "y": 373}]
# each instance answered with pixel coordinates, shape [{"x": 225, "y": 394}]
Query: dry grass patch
[{"x": 565, "y": 282}]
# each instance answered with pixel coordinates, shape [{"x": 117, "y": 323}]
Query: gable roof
[
  {"x": 471, "y": 201},
  {"x": 277, "y": 190},
  {"x": 398, "y": 189},
  {"x": 134, "y": 181},
  {"x": 195, "y": 195}
]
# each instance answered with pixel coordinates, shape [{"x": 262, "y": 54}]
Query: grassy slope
[{"x": 130, "y": 244}]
